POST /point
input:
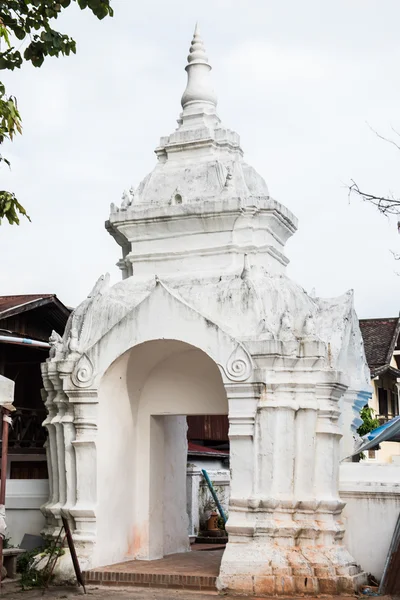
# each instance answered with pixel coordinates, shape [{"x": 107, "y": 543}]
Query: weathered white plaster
[
  {"x": 199, "y": 500},
  {"x": 206, "y": 321},
  {"x": 175, "y": 520},
  {"x": 372, "y": 496},
  {"x": 371, "y": 493},
  {"x": 149, "y": 384}
]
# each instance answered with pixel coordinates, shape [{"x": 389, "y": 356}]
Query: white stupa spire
[{"x": 199, "y": 92}]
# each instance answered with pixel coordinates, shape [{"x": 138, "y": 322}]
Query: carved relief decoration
[
  {"x": 239, "y": 365},
  {"x": 82, "y": 375}
]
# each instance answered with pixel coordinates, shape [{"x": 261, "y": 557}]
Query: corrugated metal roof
[{"x": 199, "y": 450}]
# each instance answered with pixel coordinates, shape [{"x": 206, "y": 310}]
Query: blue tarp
[{"x": 389, "y": 432}]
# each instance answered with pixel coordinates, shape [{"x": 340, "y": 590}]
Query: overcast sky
[{"x": 299, "y": 81}]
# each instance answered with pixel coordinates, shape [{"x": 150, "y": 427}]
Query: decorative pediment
[{"x": 163, "y": 314}]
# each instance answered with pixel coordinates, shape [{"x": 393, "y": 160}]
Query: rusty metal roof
[
  {"x": 47, "y": 309},
  {"x": 197, "y": 450},
  {"x": 12, "y": 302},
  {"x": 13, "y": 305}
]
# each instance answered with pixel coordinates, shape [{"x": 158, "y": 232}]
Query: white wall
[
  {"x": 24, "y": 497},
  {"x": 175, "y": 518},
  {"x": 115, "y": 468},
  {"x": 182, "y": 381},
  {"x": 142, "y": 449},
  {"x": 199, "y": 498},
  {"x": 372, "y": 496}
]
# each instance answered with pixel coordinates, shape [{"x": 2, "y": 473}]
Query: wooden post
[
  {"x": 4, "y": 458},
  {"x": 6, "y": 404}
]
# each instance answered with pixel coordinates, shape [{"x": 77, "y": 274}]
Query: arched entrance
[
  {"x": 117, "y": 433},
  {"x": 144, "y": 398}
]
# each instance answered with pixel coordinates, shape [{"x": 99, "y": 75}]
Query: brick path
[{"x": 190, "y": 570}]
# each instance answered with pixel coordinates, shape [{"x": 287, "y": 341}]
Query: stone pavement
[{"x": 11, "y": 591}]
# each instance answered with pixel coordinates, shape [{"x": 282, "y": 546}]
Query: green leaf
[
  {"x": 20, "y": 33},
  {"x": 9, "y": 206},
  {"x": 369, "y": 421},
  {"x": 2, "y": 159},
  {"x": 20, "y": 19},
  {"x": 4, "y": 33}
]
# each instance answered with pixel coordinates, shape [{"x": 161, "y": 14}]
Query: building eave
[{"x": 381, "y": 370}]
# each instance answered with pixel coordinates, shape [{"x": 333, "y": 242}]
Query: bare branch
[
  {"x": 385, "y": 139},
  {"x": 394, "y": 130},
  {"x": 386, "y": 205},
  {"x": 396, "y": 256}
]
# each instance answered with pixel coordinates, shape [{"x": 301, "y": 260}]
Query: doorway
[{"x": 144, "y": 399}]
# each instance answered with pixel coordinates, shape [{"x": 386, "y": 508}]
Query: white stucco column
[
  {"x": 48, "y": 395},
  {"x": 326, "y": 473},
  {"x": 59, "y": 401},
  {"x": 69, "y": 434},
  {"x": 84, "y": 403},
  {"x": 285, "y": 528},
  {"x": 48, "y": 457},
  {"x": 243, "y": 400}
]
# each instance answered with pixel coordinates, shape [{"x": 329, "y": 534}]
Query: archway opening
[{"x": 144, "y": 399}]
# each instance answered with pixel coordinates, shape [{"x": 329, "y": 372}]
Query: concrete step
[{"x": 211, "y": 540}]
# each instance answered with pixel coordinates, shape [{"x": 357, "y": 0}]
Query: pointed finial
[
  {"x": 197, "y": 50},
  {"x": 199, "y": 88}
]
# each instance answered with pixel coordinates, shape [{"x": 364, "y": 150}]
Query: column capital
[
  {"x": 242, "y": 390},
  {"x": 82, "y": 396}
]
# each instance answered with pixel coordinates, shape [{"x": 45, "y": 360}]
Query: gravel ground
[{"x": 12, "y": 591}]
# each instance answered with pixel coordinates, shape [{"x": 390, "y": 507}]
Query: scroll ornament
[{"x": 82, "y": 375}]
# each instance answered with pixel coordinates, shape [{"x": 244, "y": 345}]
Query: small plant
[
  {"x": 31, "y": 576},
  {"x": 369, "y": 421},
  {"x": 221, "y": 524}
]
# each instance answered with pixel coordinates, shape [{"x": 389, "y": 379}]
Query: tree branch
[
  {"x": 385, "y": 139},
  {"x": 385, "y": 204}
]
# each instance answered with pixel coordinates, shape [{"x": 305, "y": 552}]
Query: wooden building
[{"x": 26, "y": 323}]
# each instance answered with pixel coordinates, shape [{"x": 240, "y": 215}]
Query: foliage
[
  {"x": 30, "y": 21},
  {"x": 31, "y": 576},
  {"x": 221, "y": 523},
  {"x": 25, "y": 560},
  {"x": 369, "y": 422}
]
